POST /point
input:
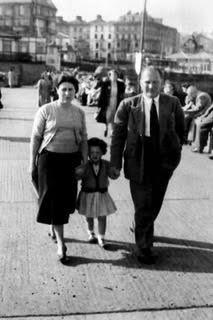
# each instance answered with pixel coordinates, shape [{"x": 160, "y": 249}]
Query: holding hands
[{"x": 114, "y": 173}]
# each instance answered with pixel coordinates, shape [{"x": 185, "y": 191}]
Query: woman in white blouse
[{"x": 58, "y": 145}]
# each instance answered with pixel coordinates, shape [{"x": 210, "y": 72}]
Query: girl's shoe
[
  {"x": 101, "y": 242},
  {"x": 92, "y": 238}
]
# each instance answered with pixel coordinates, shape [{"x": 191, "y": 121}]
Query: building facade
[
  {"x": 102, "y": 40},
  {"x": 79, "y": 32},
  {"x": 158, "y": 39},
  {"x": 34, "y": 21},
  {"x": 34, "y": 24},
  {"x": 120, "y": 40}
]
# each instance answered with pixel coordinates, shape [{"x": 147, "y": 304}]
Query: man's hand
[{"x": 33, "y": 171}]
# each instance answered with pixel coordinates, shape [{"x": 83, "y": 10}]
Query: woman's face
[
  {"x": 66, "y": 92},
  {"x": 95, "y": 154},
  {"x": 168, "y": 89}
]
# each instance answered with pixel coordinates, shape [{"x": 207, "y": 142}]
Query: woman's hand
[{"x": 79, "y": 171}]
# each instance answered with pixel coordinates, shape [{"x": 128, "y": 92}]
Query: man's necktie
[
  {"x": 154, "y": 124},
  {"x": 154, "y": 129}
]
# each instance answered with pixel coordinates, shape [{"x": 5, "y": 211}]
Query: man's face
[{"x": 150, "y": 83}]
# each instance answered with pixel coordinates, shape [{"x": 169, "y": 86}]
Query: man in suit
[
  {"x": 111, "y": 94},
  {"x": 148, "y": 133}
]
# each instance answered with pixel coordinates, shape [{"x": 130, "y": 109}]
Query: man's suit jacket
[
  {"x": 129, "y": 132},
  {"x": 105, "y": 93}
]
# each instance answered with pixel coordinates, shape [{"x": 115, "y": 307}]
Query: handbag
[{"x": 100, "y": 116}]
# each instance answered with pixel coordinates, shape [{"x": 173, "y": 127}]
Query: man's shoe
[
  {"x": 211, "y": 157},
  {"x": 146, "y": 257}
]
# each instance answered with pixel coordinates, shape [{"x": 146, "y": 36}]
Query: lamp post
[{"x": 142, "y": 37}]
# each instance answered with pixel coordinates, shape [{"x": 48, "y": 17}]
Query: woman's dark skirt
[{"x": 57, "y": 186}]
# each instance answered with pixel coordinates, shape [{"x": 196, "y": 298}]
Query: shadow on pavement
[{"x": 179, "y": 256}]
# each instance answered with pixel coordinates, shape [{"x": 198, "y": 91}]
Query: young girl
[{"x": 94, "y": 200}]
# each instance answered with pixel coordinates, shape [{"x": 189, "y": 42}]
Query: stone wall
[{"x": 27, "y": 73}]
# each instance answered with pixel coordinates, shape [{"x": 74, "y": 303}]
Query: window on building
[
  {"x": 8, "y": 22},
  {"x": 109, "y": 45},
  {"x": 24, "y": 46},
  {"x": 22, "y": 10},
  {"x": 6, "y": 46},
  {"x": 96, "y": 55},
  {"x": 102, "y": 36},
  {"x": 118, "y": 44},
  {"x": 110, "y": 36},
  {"x": 96, "y": 45},
  {"x": 40, "y": 47},
  {"x": 96, "y": 36},
  {"x": 8, "y": 12},
  {"x": 96, "y": 28},
  {"x": 51, "y": 50}
]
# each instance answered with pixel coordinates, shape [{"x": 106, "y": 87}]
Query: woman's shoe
[
  {"x": 62, "y": 256},
  {"x": 52, "y": 236}
]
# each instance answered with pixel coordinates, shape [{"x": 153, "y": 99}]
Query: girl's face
[
  {"x": 66, "y": 92},
  {"x": 95, "y": 154}
]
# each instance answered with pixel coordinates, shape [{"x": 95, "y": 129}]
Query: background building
[
  {"x": 79, "y": 32},
  {"x": 102, "y": 39},
  {"x": 34, "y": 21},
  {"x": 159, "y": 39},
  {"x": 32, "y": 25}
]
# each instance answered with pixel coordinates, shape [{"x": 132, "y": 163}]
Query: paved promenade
[{"x": 101, "y": 284}]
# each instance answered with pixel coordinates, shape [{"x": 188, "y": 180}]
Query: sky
[{"x": 185, "y": 15}]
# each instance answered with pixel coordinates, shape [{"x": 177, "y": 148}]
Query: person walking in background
[
  {"x": 58, "y": 145},
  {"x": 94, "y": 200},
  {"x": 150, "y": 127},
  {"x": 111, "y": 94},
  {"x": 130, "y": 89},
  {"x": 11, "y": 77},
  {"x": 44, "y": 89}
]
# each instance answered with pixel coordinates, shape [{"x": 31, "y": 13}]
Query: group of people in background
[
  {"x": 198, "y": 113},
  {"x": 147, "y": 131}
]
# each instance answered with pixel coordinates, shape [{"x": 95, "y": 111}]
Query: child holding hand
[{"x": 94, "y": 200}]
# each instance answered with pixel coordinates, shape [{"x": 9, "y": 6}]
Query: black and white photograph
[{"x": 106, "y": 160}]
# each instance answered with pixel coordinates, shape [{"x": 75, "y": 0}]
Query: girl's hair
[{"x": 96, "y": 142}]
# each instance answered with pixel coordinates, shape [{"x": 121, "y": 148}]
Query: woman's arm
[
  {"x": 84, "y": 145},
  {"x": 36, "y": 137}
]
